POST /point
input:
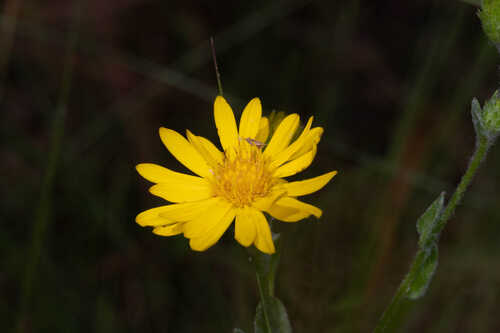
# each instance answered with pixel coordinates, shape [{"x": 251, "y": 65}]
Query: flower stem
[
  {"x": 400, "y": 298},
  {"x": 265, "y": 271},
  {"x": 263, "y": 299}
]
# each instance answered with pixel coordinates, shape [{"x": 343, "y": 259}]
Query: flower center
[{"x": 243, "y": 176}]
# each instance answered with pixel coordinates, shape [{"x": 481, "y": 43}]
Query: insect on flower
[{"x": 254, "y": 142}]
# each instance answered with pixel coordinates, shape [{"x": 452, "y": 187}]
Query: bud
[
  {"x": 491, "y": 113},
  {"x": 275, "y": 119},
  {"x": 490, "y": 18},
  {"x": 487, "y": 120}
]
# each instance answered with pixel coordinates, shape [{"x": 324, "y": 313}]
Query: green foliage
[
  {"x": 477, "y": 118},
  {"x": 432, "y": 223},
  {"x": 277, "y": 319},
  {"x": 487, "y": 120},
  {"x": 490, "y": 18},
  {"x": 427, "y": 262},
  {"x": 426, "y": 222},
  {"x": 270, "y": 315},
  {"x": 267, "y": 265},
  {"x": 491, "y": 113}
]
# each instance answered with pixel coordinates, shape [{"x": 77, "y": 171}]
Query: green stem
[
  {"x": 263, "y": 298},
  {"x": 265, "y": 269},
  {"x": 400, "y": 298},
  {"x": 479, "y": 154}
]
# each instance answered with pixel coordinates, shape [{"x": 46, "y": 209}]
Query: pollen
[{"x": 243, "y": 176}]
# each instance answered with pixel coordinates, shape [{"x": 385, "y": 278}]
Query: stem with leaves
[
  {"x": 433, "y": 221},
  {"x": 270, "y": 316}
]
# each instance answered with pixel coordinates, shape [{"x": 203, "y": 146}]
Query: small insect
[{"x": 254, "y": 142}]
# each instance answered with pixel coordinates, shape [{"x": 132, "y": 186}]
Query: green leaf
[
  {"x": 425, "y": 268},
  {"x": 477, "y": 118},
  {"x": 238, "y": 330},
  {"x": 277, "y": 319},
  {"x": 428, "y": 220},
  {"x": 490, "y": 18}
]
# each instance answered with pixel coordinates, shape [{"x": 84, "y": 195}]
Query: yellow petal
[
  {"x": 265, "y": 202},
  {"x": 201, "y": 147},
  {"x": 226, "y": 124},
  {"x": 217, "y": 155},
  {"x": 158, "y": 174},
  {"x": 183, "y": 191},
  {"x": 187, "y": 211},
  {"x": 211, "y": 236},
  {"x": 287, "y": 214},
  {"x": 312, "y": 140},
  {"x": 296, "y": 166},
  {"x": 303, "y": 187},
  {"x": 184, "y": 152},
  {"x": 286, "y": 154},
  {"x": 169, "y": 230},
  {"x": 152, "y": 217},
  {"x": 206, "y": 221},
  {"x": 263, "y": 132},
  {"x": 250, "y": 119},
  {"x": 283, "y": 135},
  {"x": 244, "y": 231},
  {"x": 263, "y": 239},
  {"x": 299, "y": 205}
]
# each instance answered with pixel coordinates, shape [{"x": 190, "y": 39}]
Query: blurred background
[{"x": 85, "y": 85}]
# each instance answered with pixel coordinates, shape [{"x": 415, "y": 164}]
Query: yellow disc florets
[{"x": 244, "y": 175}]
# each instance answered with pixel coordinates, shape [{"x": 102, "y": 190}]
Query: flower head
[
  {"x": 487, "y": 120},
  {"x": 236, "y": 184}
]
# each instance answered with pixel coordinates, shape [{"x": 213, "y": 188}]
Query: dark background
[{"x": 86, "y": 85}]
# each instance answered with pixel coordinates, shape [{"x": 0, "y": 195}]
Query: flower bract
[{"x": 239, "y": 183}]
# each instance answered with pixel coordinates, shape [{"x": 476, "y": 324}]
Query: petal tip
[
  {"x": 243, "y": 242},
  {"x": 163, "y": 132},
  {"x": 332, "y": 174},
  {"x": 139, "y": 168},
  {"x": 139, "y": 219},
  {"x": 154, "y": 190},
  {"x": 267, "y": 250},
  {"x": 257, "y": 101},
  {"x": 220, "y": 99},
  {"x": 195, "y": 246}
]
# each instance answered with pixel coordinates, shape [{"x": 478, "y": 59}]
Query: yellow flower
[{"x": 238, "y": 184}]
